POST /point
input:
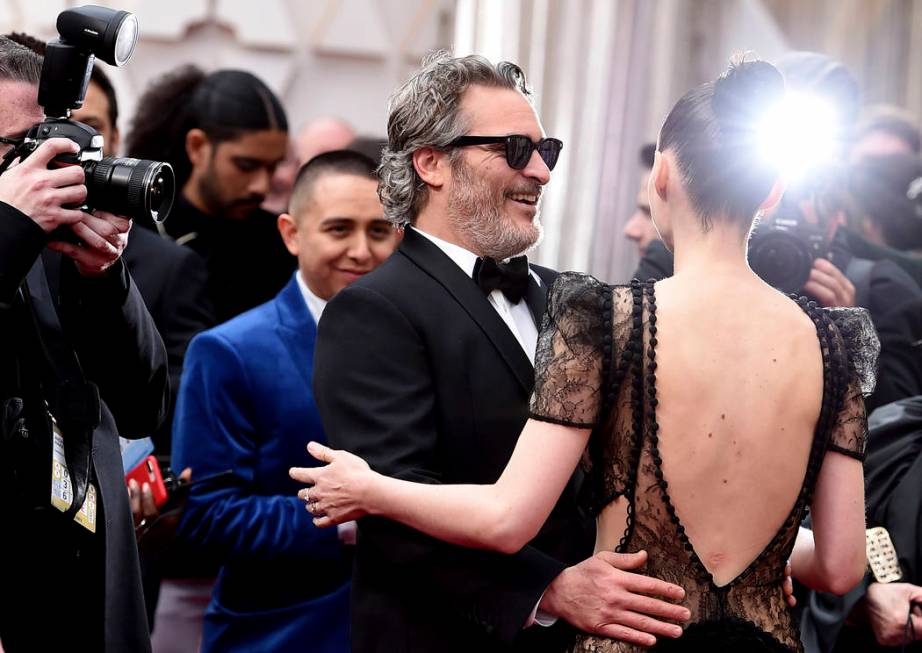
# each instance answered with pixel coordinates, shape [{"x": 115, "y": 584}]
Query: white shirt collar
[
  {"x": 315, "y": 305},
  {"x": 465, "y": 259}
]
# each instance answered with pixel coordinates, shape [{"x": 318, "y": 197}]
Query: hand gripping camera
[
  {"x": 130, "y": 187},
  {"x": 782, "y": 249}
]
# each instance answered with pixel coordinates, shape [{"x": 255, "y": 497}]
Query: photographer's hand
[
  {"x": 105, "y": 236},
  {"x": 888, "y": 605},
  {"x": 829, "y": 286},
  {"x": 43, "y": 194}
]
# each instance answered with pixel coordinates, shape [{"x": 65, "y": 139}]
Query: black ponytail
[{"x": 224, "y": 104}]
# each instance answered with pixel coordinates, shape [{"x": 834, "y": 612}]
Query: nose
[
  {"x": 537, "y": 169},
  {"x": 261, "y": 182},
  {"x": 359, "y": 249},
  {"x": 630, "y": 229}
]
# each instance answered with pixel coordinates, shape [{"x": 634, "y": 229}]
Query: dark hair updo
[{"x": 714, "y": 133}]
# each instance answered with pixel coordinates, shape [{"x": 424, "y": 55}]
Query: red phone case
[{"x": 148, "y": 471}]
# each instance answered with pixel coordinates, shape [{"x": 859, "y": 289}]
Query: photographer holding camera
[{"x": 80, "y": 363}]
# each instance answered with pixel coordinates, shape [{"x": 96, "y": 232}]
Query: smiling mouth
[{"x": 528, "y": 199}]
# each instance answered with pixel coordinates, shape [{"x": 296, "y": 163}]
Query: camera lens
[
  {"x": 781, "y": 259},
  {"x": 135, "y": 188}
]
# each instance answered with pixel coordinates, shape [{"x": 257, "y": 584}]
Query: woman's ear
[
  {"x": 660, "y": 175},
  {"x": 774, "y": 196}
]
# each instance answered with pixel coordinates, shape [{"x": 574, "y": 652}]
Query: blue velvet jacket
[{"x": 246, "y": 404}]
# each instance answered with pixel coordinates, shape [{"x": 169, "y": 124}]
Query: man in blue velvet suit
[{"x": 246, "y": 404}]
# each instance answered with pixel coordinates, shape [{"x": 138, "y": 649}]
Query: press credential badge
[{"x": 62, "y": 491}]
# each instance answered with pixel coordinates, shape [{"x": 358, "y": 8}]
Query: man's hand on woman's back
[{"x": 603, "y": 596}]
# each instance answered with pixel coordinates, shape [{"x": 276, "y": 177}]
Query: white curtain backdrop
[{"x": 605, "y": 72}]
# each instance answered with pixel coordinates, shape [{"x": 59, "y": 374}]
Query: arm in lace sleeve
[
  {"x": 860, "y": 349},
  {"x": 571, "y": 348}
]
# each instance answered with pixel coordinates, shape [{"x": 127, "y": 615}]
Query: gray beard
[{"x": 475, "y": 212}]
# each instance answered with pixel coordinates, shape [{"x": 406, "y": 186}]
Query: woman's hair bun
[{"x": 743, "y": 93}]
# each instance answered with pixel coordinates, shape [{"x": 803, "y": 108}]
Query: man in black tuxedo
[
  {"x": 80, "y": 364},
  {"x": 424, "y": 367}
]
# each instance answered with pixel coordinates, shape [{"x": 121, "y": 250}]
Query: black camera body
[
  {"x": 782, "y": 252},
  {"x": 134, "y": 188},
  {"x": 783, "y": 248},
  {"x": 121, "y": 185}
]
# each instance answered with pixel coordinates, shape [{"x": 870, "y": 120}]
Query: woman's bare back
[
  {"x": 739, "y": 385},
  {"x": 712, "y": 411}
]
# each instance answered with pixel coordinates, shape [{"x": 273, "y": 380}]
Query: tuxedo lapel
[
  {"x": 296, "y": 328},
  {"x": 462, "y": 288},
  {"x": 536, "y": 298}
]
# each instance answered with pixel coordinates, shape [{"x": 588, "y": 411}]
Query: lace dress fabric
[{"x": 596, "y": 368}]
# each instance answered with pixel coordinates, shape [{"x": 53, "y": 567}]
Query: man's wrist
[
  {"x": 108, "y": 286},
  {"x": 547, "y": 604},
  {"x": 541, "y": 614}
]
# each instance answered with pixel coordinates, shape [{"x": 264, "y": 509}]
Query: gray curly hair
[
  {"x": 18, "y": 63},
  {"x": 425, "y": 112}
]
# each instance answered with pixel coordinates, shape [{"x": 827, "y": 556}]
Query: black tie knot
[{"x": 510, "y": 277}]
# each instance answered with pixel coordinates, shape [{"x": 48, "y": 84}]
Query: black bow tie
[{"x": 511, "y": 278}]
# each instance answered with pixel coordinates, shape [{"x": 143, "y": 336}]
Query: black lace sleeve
[
  {"x": 569, "y": 358},
  {"x": 860, "y": 348}
]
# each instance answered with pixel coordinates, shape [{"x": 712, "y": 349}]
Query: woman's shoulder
[
  {"x": 856, "y": 331},
  {"x": 850, "y": 331},
  {"x": 581, "y": 293}
]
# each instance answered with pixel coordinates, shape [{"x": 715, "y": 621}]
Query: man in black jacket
[
  {"x": 80, "y": 363},
  {"x": 424, "y": 367}
]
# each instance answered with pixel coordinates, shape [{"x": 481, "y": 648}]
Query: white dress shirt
[
  {"x": 315, "y": 305},
  {"x": 517, "y": 317}
]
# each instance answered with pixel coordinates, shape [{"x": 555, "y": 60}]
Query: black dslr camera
[
  {"x": 782, "y": 249},
  {"x": 133, "y": 188}
]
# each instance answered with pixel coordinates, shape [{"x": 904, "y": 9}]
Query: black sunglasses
[{"x": 519, "y": 148}]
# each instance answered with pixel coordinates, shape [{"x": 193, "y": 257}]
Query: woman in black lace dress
[{"x": 709, "y": 409}]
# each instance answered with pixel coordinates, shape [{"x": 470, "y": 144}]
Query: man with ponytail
[{"x": 224, "y": 133}]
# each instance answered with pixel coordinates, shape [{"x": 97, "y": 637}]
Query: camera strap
[{"x": 72, "y": 399}]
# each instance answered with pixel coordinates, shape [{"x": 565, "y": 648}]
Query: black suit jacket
[
  {"x": 415, "y": 371},
  {"x": 172, "y": 280},
  {"x": 104, "y": 321}
]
